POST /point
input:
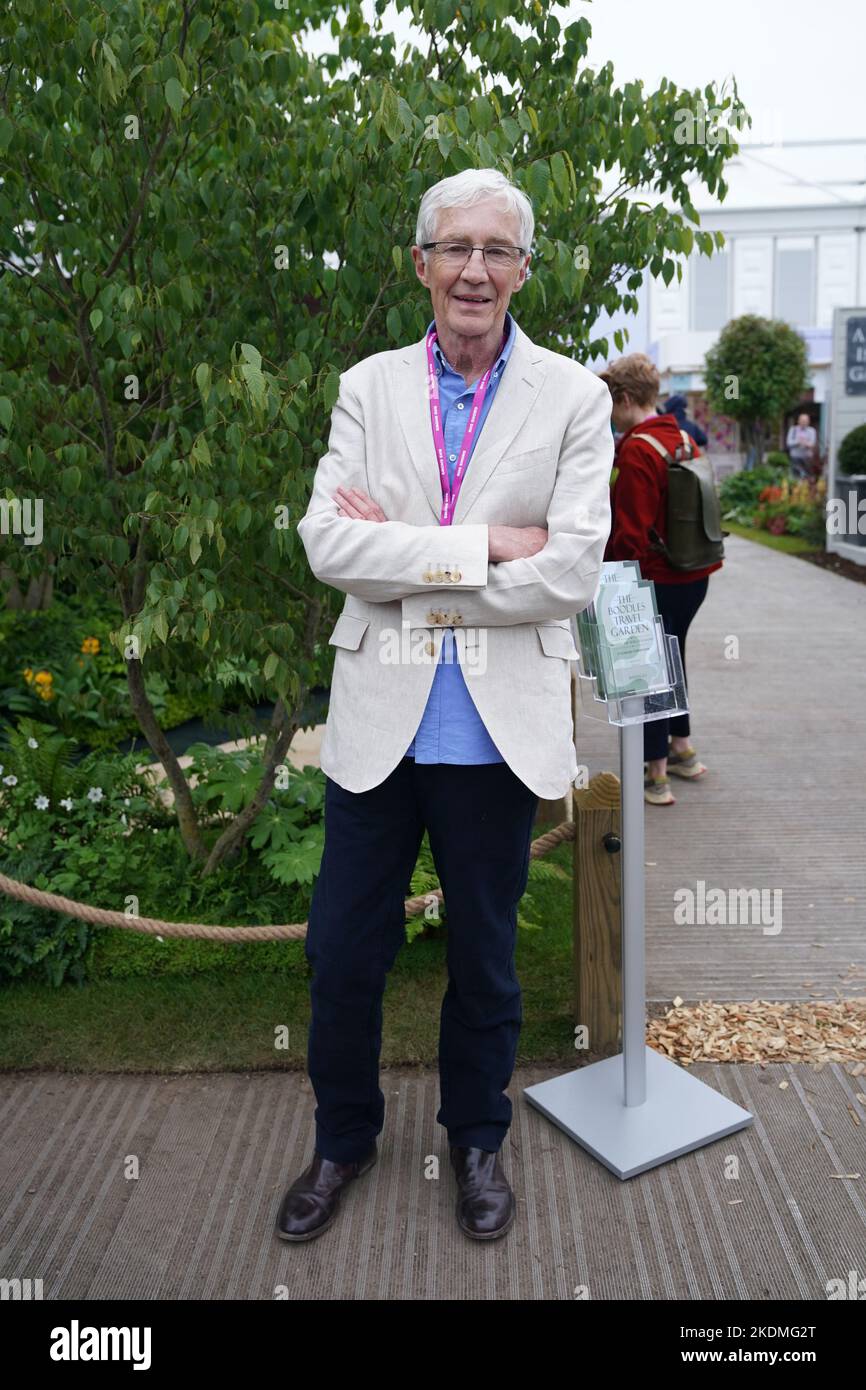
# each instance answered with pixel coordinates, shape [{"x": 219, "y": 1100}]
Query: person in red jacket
[{"x": 639, "y": 497}]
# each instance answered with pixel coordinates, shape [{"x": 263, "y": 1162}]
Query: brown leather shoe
[
  {"x": 313, "y": 1200},
  {"x": 486, "y": 1205}
]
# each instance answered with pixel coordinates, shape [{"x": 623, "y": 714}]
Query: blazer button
[
  {"x": 431, "y": 618},
  {"x": 429, "y": 648},
  {"x": 456, "y": 577},
  {"x": 428, "y": 578},
  {"x": 439, "y": 577}
]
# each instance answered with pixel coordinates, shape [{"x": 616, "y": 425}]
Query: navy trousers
[
  {"x": 479, "y": 818},
  {"x": 677, "y": 605}
]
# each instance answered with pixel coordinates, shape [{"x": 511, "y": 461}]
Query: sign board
[{"x": 855, "y": 356}]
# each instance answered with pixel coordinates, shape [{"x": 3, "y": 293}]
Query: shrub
[
  {"x": 742, "y": 490},
  {"x": 852, "y": 452}
]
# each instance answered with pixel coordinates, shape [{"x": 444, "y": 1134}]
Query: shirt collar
[{"x": 501, "y": 360}]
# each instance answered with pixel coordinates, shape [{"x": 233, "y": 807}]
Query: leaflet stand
[{"x": 637, "y": 1109}]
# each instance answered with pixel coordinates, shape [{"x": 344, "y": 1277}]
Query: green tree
[
  {"x": 756, "y": 371},
  {"x": 204, "y": 225}
]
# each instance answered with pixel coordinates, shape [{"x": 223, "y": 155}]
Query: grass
[
  {"x": 215, "y": 1022},
  {"x": 791, "y": 545}
]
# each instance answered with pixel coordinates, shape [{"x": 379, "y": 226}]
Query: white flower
[
  {"x": 31, "y": 743},
  {"x": 126, "y": 801},
  {"x": 11, "y": 780},
  {"x": 123, "y": 817},
  {"x": 1, "y": 767},
  {"x": 41, "y": 803},
  {"x": 67, "y": 803},
  {"x": 95, "y": 794}
]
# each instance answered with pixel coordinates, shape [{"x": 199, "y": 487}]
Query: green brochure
[{"x": 630, "y": 638}]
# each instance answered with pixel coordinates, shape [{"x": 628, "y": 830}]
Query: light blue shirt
[{"x": 451, "y": 730}]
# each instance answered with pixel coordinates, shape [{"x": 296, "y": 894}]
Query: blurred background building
[{"x": 794, "y": 222}]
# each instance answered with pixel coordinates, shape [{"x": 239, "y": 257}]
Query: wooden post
[{"x": 597, "y": 933}]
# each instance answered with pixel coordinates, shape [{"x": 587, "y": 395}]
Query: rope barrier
[{"x": 153, "y": 926}]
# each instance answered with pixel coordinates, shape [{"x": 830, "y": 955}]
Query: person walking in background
[
  {"x": 639, "y": 506},
  {"x": 801, "y": 443},
  {"x": 676, "y": 406}
]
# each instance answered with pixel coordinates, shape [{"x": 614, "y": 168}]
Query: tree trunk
[{"x": 159, "y": 744}]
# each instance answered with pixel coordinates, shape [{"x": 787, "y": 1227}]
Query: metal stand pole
[
  {"x": 635, "y": 1111},
  {"x": 633, "y": 915}
]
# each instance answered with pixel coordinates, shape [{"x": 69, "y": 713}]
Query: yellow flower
[
  {"x": 90, "y": 645},
  {"x": 46, "y": 693},
  {"x": 43, "y": 678},
  {"x": 28, "y": 674}
]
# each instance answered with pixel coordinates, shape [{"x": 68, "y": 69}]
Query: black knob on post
[{"x": 611, "y": 842}]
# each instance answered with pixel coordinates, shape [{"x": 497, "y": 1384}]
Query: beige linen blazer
[{"x": 543, "y": 458}]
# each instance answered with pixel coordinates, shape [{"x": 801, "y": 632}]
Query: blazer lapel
[{"x": 514, "y": 398}]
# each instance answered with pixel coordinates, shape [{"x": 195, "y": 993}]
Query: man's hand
[
  {"x": 354, "y": 503},
  {"x": 514, "y": 542}
]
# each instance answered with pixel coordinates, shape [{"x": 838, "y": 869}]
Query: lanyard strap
[{"x": 449, "y": 493}]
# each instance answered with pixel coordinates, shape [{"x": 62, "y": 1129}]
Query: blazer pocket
[
  {"x": 515, "y": 463},
  {"x": 348, "y": 632},
  {"x": 556, "y": 641}
]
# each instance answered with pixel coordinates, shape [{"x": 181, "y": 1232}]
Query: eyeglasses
[{"x": 457, "y": 253}]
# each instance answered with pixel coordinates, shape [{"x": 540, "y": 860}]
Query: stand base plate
[{"x": 680, "y": 1113}]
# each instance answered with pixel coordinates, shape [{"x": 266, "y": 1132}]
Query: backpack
[{"x": 694, "y": 516}]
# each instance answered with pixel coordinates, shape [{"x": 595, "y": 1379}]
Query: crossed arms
[{"x": 350, "y": 547}]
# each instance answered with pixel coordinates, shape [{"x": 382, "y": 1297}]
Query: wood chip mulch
[{"x": 812, "y": 1031}]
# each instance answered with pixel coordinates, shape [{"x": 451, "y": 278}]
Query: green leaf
[
  {"x": 538, "y": 180},
  {"x": 393, "y": 323},
  {"x": 174, "y": 94},
  {"x": 331, "y": 389},
  {"x": 5, "y": 412},
  {"x": 201, "y": 451},
  {"x": 95, "y": 318},
  {"x": 560, "y": 175},
  {"x": 70, "y": 481},
  {"x": 397, "y": 257},
  {"x": 251, "y": 354},
  {"x": 255, "y": 383},
  {"x": 203, "y": 378}
]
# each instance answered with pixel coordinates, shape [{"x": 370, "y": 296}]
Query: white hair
[{"x": 466, "y": 188}]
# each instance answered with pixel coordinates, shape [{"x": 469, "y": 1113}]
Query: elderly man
[
  {"x": 801, "y": 443},
  {"x": 463, "y": 508}
]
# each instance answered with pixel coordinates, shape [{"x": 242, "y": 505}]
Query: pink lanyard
[{"x": 449, "y": 495}]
